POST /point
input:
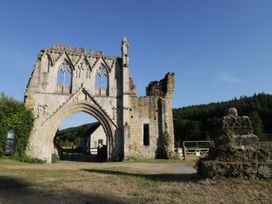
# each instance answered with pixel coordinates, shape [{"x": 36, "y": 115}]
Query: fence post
[
  {"x": 184, "y": 150},
  {"x": 72, "y": 152}
]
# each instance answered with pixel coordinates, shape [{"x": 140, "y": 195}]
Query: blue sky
[{"x": 218, "y": 49}]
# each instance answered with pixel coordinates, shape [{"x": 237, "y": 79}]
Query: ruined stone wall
[
  {"x": 165, "y": 90},
  {"x": 154, "y": 109},
  {"x": 121, "y": 113},
  {"x": 81, "y": 65},
  {"x": 46, "y": 96},
  {"x": 144, "y": 110},
  {"x": 43, "y": 90}
]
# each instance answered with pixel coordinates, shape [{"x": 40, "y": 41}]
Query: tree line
[
  {"x": 197, "y": 122},
  {"x": 69, "y": 137}
]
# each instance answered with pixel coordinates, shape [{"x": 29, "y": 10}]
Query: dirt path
[{"x": 171, "y": 167}]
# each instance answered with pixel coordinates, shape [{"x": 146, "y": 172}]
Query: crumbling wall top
[
  {"x": 60, "y": 49},
  {"x": 70, "y": 50},
  {"x": 238, "y": 125},
  {"x": 164, "y": 87}
]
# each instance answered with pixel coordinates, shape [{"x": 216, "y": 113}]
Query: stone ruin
[
  {"x": 68, "y": 80},
  {"x": 236, "y": 132},
  {"x": 236, "y": 152}
]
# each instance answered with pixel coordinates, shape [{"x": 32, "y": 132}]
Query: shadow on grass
[
  {"x": 15, "y": 190},
  {"x": 82, "y": 158},
  {"x": 8, "y": 183},
  {"x": 185, "y": 177}
]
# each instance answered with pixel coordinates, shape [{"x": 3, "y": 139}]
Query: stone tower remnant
[
  {"x": 236, "y": 132},
  {"x": 236, "y": 152}
]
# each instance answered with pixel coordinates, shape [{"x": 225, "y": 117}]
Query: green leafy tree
[{"x": 256, "y": 123}]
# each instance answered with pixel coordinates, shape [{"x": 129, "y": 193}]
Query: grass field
[{"x": 127, "y": 182}]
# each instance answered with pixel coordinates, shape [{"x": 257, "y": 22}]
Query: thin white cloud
[{"x": 230, "y": 79}]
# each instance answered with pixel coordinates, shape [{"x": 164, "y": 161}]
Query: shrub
[
  {"x": 24, "y": 158},
  {"x": 55, "y": 158}
]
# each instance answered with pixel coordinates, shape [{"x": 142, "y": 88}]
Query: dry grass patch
[{"x": 127, "y": 182}]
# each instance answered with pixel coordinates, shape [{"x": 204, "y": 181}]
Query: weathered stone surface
[
  {"x": 236, "y": 152},
  {"x": 162, "y": 88},
  {"x": 264, "y": 171},
  {"x": 214, "y": 168},
  {"x": 235, "y": 132},
  {"x": 121, "y": 113}
]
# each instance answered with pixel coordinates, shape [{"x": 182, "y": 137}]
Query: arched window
[
  {"x": 101, "y": 81},
  {"x": 64, "y": 79}
]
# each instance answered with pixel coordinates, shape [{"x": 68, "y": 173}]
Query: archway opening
[{"x": 81, "y": 137}]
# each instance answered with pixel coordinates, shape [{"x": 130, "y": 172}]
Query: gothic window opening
[
  {"x": 64, "y": 79},
  {"x": 101, "y": 81}
]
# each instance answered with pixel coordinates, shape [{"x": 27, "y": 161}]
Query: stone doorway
[{"x": 45, "y": 134}]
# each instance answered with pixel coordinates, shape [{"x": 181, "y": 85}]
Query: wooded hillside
[
  {"x": 71, "y": 136},
  {"x": 196, "y": 122}
]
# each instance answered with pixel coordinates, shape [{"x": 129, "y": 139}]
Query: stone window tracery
[
  {"x": 101, "y": 81},
  {"x": 64, "y": 78}
]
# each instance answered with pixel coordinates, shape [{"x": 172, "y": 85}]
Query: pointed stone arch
[
  {"x": 64, "y": 57},
  {"x": 101, "y": 62},
  {"x": 89, "y": 108}
]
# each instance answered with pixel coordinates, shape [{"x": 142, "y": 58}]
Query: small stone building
[
  {"x": 97, "y": 139},
  {"x": 92, "y": 138},
  {"x": 69, "y": 80}
]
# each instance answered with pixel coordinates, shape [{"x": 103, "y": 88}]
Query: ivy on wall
[{"x": 14, "y": 115}]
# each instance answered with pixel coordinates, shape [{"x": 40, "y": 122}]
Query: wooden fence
[{"x": 196, "y": 148}]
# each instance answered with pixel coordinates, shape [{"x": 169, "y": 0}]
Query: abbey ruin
[{"x": 69, "y": 80}]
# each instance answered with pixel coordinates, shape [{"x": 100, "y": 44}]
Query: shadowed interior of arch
[{"x": 81, "y": 137}]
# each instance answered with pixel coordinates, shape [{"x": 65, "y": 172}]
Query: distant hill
[
  {"x": 71, "y": 136},
  {"x": 196, "y": 122}
]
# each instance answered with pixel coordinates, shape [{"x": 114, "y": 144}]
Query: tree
[{"x": 256, "y": 123}]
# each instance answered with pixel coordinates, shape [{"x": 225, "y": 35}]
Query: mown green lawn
[{"x": 149, "y": 181}]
